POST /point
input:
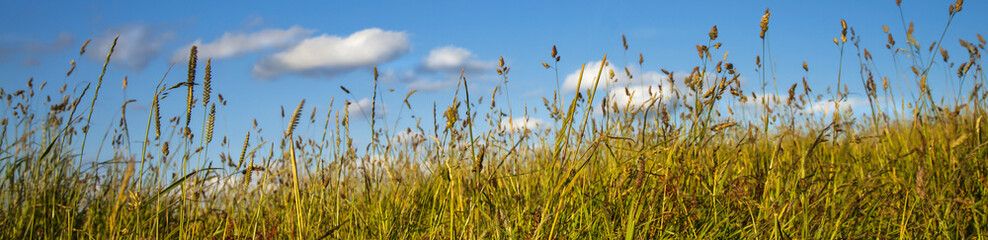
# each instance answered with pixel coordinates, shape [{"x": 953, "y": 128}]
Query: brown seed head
[
  {"x": 713, "y": 33},
  {"x": 805, "y": 67},
  {"x": 764, "y": 23},
  {"x": 624, "y": 41},
  {"x": 73, "y": 67},
  {"x": 192, "y": 64},
  {"x": 207, "y": 87},
  {"x": 553, "y": 53},
  {"x": 546, "y": 66},
  {"x": 157, "y": 117},
  {"x": 944, "y": 53},
  {"x": 164, "y": 149},
  {"x": 209, "y": 123},
  {"x": 294, "y": 120},
  {"x": 83, "y": 48}
]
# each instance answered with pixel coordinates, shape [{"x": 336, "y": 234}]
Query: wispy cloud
[
  {"x": 425, "y": 85},
  {"x": 440, "y": 70},
  {"x": 329, "y": 56},
  {"x": 362, "y": 109},
  {"x": 237, "y": 44},
  {"x": 30, "y": 48},
  {"x": 453, "y": 59},
  {"x": 12, "y": 46},
  {"x": 827, "y": 106},
  {"x": 138, "y": 45},
  {"x": 523, "y": 124}
]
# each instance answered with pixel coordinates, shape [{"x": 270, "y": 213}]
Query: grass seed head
[
  {"x": 209, "y": 123},
  {"x": 207, "y": 82},
  {"x": 294, "y": 120},
  {"x": 764, "y": 23},
  {"x": 624, "y": 41},
  {"x": 83, "y": 48},
  {"x": 70, "y": 69}
]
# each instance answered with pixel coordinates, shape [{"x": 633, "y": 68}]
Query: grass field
[{"x": 704, "y": 160}]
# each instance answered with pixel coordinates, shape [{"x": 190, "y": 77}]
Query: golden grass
[{"x": 707, "y": 160}]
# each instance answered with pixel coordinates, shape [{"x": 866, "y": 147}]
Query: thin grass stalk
[{"x": 92, "y": 105}]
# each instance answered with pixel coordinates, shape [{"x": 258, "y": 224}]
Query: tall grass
[{"x": 701, "y": 158}]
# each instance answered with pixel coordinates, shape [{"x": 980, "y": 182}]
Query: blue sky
[{"x": 267, "y": 54}]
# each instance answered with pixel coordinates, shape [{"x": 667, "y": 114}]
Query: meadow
[{"x": 702, "y": 158}]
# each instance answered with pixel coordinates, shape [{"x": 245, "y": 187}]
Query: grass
[{"x": 706, "y": 160}]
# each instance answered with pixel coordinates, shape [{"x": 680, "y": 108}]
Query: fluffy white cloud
[
  {"x": 523, "y": 124},
  {"x": 621, "y": 79},
  {"x": 451, "y": 58},
  {"x": 637, "y": 97},
  {"x": 640, "y": 78},
  {"x": 589, "y": 74},
  {"x": 328, "y": 55},
  {"x": 137, "y": 45},
  {"x": 236, "y": 44}
]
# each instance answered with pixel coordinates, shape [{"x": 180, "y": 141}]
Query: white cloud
[
  {"x": 621, "y": 79},
  {"x": 451, "y": 58},
  {"x": 440, "y": 70},
  {"x": 589, "y": 74},
  {"x": 637, "y": 97},
  {"x": 636, "y": 92},
  {"x": 429, "y": 85},
  {"x": 523, "y": 124},
  {"x": 236, "y": 44},
  {"x": 827, "y": 106},
  {"x": 361, "y": 109},
  {"x": 391, "y": 76},
  {"x": 328, "y": 55},
  {"x": 137, "y": 45},
  {"x": 639, "y": 79}
]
